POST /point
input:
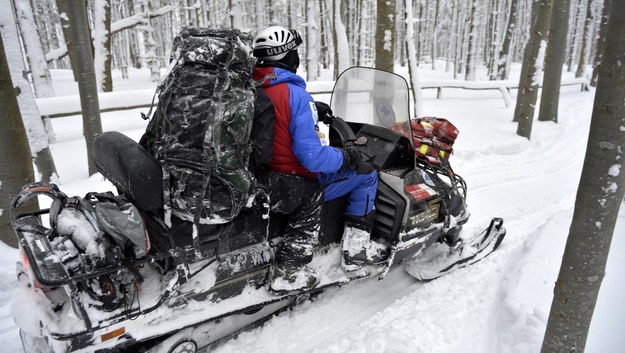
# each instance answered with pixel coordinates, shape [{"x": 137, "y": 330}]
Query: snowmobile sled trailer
[{"x": 105, "y": 273}]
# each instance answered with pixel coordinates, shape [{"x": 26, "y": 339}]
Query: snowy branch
[{"x": 117, "y": 26}]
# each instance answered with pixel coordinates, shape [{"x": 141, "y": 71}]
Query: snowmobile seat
[{"x": 133, "y": 171}]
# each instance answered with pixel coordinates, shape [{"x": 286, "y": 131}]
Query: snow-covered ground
[{"x": 500, "y": 305}]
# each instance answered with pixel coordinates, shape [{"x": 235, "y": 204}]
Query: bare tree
[
  {"x": 532, "y": 63},
  {"x": 385, "y": 35},
  {"x": 599, "y": 197},
  {"x": 80, "y": 43},
  {"x": 31, "y": 119},
  {"x": 472, "y": 42},
  {"x": 583, "y": 51},
  {"x": 312, "y": 66},
  {"x": 573, "y": 40},
  {"x": 503, "y": 66},
  {"x": 102, "y": 44},
  {"x": 605, "y": 14},
  {"x": 435, "y": 34},
  {"x": 42, "y": 81},
  {"x": 16, "y": 168},
  {"x": 339, "y": 38},
  {"x": 412, "y": 65},
  {"x": 554, "y": 61}
]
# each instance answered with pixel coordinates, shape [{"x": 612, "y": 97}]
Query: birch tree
[
  {"x": 16, "y": 168},
  {"x": 599, "y": 197},
  {"x": 554, "y": 61}
]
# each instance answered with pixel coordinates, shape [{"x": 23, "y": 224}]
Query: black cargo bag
[{"x": 201, "y": 126}]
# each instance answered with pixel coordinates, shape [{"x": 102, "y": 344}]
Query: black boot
[{"x": 357, "y": 247}]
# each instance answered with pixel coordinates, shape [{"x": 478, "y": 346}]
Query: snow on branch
[{"x": 118, "y": 26}]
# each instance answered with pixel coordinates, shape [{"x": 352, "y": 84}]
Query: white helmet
[{"x": 273, "y": 43}]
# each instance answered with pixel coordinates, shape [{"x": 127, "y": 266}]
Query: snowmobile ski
[{"x": 441, "y": 259}]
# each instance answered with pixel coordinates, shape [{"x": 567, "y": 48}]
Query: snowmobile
[{"x": 104, "y": 272}]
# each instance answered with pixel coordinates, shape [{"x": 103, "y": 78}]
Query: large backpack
[{"x": 201, "y": 126}]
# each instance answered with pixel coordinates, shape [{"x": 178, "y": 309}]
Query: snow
[{"x": 499, "y": 305}]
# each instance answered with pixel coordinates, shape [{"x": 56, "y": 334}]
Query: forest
[
  {"x": 337, "y": 33},
  {"x": 97, "y": 37}
]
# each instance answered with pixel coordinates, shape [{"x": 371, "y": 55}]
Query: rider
[{"x": 300, "y": 164}]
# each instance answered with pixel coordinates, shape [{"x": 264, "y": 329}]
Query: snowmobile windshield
[{"x": 371, "y": 96}]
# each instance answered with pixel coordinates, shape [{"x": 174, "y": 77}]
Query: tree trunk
[
  {"x": 31, "y": 119},
  {"x": 572, "y": 40},
  {"x": 554, "y": 61},
  {"x": 42, "y": 82},
  {"x": 503, "y": 66},
  {"x": 385, "y": 35},
  {"x": 435, "y": 34},
  {"x": 605, "y": 14},
  {"x": 16, "y": 168},
  {"x": 341, "y": 45},
  {"x": 599, "y": 197},
  {"x": 472, "y": 42},
  {"x": 312, "y": 66},
  {"x": 63, "y": 6},
  {"x": 87, "y": 86},
  {"x": 585, "y": 37},
  {"x": 412, "y": 65},
  {"x": 530, "y": 70},
  {"x": 260, "y": 15},
  {"x": 102, "y": 44}
]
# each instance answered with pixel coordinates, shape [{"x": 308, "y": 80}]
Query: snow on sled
[{"x": 110, "y": 273}]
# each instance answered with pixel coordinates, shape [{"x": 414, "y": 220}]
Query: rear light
[{"x": 28, "y": 271}]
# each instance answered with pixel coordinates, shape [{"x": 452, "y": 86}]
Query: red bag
[{"x": 433, "y": 138}]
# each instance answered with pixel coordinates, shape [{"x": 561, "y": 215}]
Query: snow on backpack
[
  {"x": 433, "y": 138},
  {"x": 201, "y": 126}
]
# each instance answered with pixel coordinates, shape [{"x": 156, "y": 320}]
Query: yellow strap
[{"x": 424, "y": 149}]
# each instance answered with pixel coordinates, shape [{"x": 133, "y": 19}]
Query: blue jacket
[{"x": 297, "y": 148}]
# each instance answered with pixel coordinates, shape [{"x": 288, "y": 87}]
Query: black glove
[
  {"x": 324, "y": 112},
  {"x": 354, "y": 158}
]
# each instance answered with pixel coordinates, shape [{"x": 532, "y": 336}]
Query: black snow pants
[{"x": 300, "y": 199}]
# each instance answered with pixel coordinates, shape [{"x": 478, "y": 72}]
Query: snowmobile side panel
[{"x": 390, "y": 209}]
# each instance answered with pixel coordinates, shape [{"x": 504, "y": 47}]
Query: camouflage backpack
[{"x": 200, "y": 129}]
